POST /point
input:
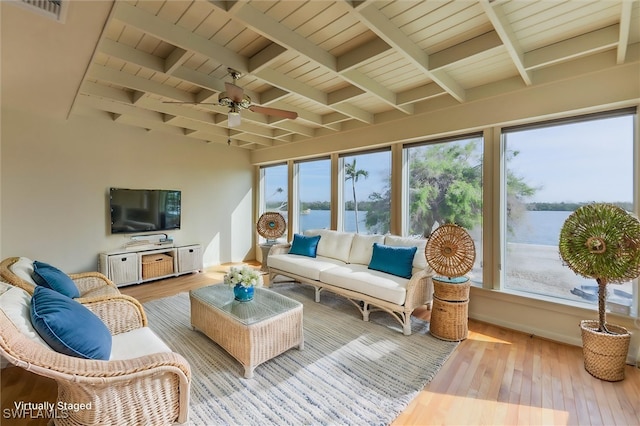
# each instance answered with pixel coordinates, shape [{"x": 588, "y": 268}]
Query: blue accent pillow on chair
[
  {"x": 68, "y": 326},
  {"x": 53, "y": 278},
  {"x": 304, "y": 245},
  {"x": 393, "y": 260}
]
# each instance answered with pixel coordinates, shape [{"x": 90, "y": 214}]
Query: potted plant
[
  {"x": 243, "y": 280},
  {"x": 602, "y": 241}
]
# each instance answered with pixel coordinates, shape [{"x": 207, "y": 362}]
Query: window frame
[{"x": 500, "y": 283}]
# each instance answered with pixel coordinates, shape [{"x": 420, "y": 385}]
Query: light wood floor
[{"x": 494, "y": 377}]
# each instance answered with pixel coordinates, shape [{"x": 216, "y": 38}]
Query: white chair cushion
[
  {"x": 304, "y": 266},
  {"x": 16, "y": 304},
  {"x": 23, "y": 268},
  {"x": 136, "y": 343},
  {"x": 367, "y": 281},
  {"x": 419, "y": 260},
  {"x": 362, "y": 248},
  {"x": 334, "y": 244}
]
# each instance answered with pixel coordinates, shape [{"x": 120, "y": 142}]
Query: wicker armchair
[
  {"x": 90, "y": 284},
  {"x": 149, "y": 389}
]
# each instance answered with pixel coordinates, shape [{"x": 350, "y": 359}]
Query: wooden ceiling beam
[
  {"x": 278, "y": 33},
  {"x": 625, "y": 28},
  {"x": 178, "y": 36},
  {"x": 509, "y": 39},
  {"x": 573, "y": 48},
  {"x": 393, "y": 36}
]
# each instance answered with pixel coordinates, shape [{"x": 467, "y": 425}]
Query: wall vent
[{"x": 54, "y": 9}]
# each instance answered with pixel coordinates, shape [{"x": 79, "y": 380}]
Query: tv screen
[{"x": 143, "y": 210}]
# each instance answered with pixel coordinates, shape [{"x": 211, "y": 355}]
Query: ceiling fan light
[{"x": 233, "y": 119}]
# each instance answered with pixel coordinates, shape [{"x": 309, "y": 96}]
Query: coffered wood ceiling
[{"x": 338, "y": 64}]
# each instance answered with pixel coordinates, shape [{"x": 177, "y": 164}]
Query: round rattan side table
[
  {"x": 450, "y": 251},
  {"x": 271, "y": 225}
]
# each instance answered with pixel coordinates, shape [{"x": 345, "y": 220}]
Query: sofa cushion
[
  {"x": 16, "y": 304},
  {"x": 333, "y": 244},
  {"x": 68, "y": 326},
  {"x": 362, "y": 248},
  {"x": 23, "y": 268},
  {"x": 393, "y": 260},
  {"x": 373, "y": 283},
  {"x": 419, "y": 259},
  {"x": 307, "y": 267},
  {"x": 53, "y": 278},
  {"x": 136, "y": 343},
  {"x": 304, "y": 245}
]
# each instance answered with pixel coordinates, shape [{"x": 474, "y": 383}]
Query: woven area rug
[{"x": 350, "y": 371}]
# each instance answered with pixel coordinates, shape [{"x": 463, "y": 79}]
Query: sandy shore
[{"x": 539, "y": 269}]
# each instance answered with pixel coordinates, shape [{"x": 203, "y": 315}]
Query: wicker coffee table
[{"x": 252, "y": 332}]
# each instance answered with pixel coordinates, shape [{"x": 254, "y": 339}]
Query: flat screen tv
[{"x": 144, "y": 210}]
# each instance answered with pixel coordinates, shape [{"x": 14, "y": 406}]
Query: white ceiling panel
[{"x": 332, "y": 62}]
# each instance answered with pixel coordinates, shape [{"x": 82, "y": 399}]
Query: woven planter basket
[
  {"x": 605, "y": 354},
  {"x": 602, "y": 241}
]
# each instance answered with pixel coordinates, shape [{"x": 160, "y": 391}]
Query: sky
[
  {"x": 577, "y": 162},
  {"x": 574, "y": 162}
]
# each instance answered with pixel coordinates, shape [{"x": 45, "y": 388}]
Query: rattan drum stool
[
  {"x": 450, "y": 310},
  {"x": 450, "y": 251},
  {"x": 271, "y": 225}
]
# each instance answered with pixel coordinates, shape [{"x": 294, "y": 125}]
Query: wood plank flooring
[{"x": 494, "y": 377}]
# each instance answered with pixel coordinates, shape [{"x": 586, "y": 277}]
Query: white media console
[{"x": 127, "y": 266}]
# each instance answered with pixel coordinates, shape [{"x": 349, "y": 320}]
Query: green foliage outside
[{"x": 445, "y": 186}]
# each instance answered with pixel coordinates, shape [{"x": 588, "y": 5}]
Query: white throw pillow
[
  {"x": 362, "y": 248},
  {"x": 23, "y": 268},
  {"x": 419, "y": 260},
  {"x": 16, "y": 304},
  {"x": 334, "y": 244}
]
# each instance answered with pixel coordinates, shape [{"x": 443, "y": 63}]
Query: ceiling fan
[{"x": 234, "y": 98}]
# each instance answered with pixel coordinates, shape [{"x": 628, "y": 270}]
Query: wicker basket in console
[{"x": 156, "y": 265}]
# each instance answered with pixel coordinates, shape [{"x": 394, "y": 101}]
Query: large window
[
  {"x": 550, "y": 171},
  {"x": 274, "y": 189},
  {"x": 540, "y": 174},
  {"x": 313, "y": 194},
  {"x": 443, "y": 184},
  {"x": 366, "y": 192}
]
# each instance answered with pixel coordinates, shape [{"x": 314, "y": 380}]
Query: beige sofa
[{"x": 341, "y": 266}]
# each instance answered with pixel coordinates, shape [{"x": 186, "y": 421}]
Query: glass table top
[{"x": 265, "y": 303}]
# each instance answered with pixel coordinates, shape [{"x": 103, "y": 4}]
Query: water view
[
  {"x": 536, "y": 227},
  {"x": 532, "y": 261}
]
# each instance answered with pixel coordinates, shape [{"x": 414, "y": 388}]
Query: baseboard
[{"x": 632, "y": 359}]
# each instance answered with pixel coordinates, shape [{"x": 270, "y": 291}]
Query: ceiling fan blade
[
  {"x": 190, "y": 103},
  {"x": 234, "y": 92},
  {"x": 273, "y": 111}
]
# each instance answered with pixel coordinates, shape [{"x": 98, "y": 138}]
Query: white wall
[{"x": 55, "y": 175}]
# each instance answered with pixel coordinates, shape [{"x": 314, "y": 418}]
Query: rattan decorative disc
[
  {"x": 450, "y": 251},
  {"x": 271, "y": 225},
  {"x": 602, "y": 241}
]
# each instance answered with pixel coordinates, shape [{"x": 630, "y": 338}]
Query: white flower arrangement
[{"x": 245, "y": 276}]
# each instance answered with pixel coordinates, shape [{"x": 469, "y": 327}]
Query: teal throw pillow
[
  {"x": 304, "y": 246},
  {"x": 393, "y": 260},
  {"x": 53, "y": 278},
  {"x": 68, "y": 326}
]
